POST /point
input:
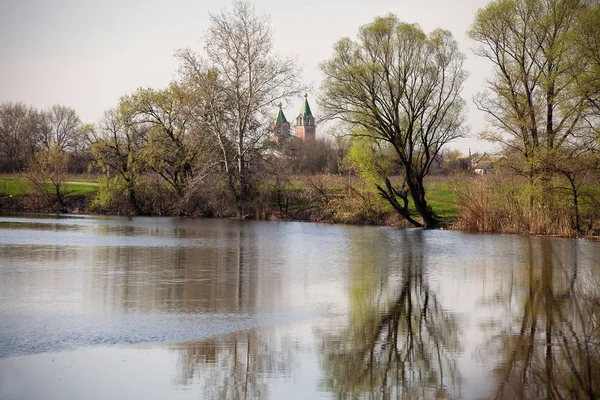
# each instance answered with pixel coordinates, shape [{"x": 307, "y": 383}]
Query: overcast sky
[{"x": 87, "y": 53}]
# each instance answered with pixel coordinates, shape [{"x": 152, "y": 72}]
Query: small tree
[
  {"x": 47, "y": 172},
  {"x": 401, "y": 87}
]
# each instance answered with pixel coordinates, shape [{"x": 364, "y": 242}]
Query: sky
[{"x": 86, "y": 54}]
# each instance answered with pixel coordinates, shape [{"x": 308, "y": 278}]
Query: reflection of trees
[
  {"x": 555, "y": 352},
  {"x": 399, "y": 341},
  {"x": 223, "y": 278},
  {"x": 235, "y": 366}
]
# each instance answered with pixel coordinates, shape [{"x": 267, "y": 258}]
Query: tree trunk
[
  {"x": 133, "y": 201},
  {"x": 575, "y": 192},
  {"x": 392, "y": 195},
  {"x": 417, "y": 192},
  {"x": 61, "y": 202}
]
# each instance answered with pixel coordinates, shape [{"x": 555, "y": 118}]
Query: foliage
[
  {"x": 108, "y": 193},
  {"x": 587, "y": 45},
  {"x": 371, "y": 160},
  {"x": 25, "y": 130},
  {"x": 172, "y": 140},
  {"x": 541, "y": 99},
  {"x": 117, "y": 145}
]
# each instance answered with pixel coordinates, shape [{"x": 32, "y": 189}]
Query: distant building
[
  {"x": 279, "y": 130},
  {"x": 485, "y": 163},
  {"x": 305, "y": 122}
]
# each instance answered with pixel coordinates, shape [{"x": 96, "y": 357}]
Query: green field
[
  {"x": 12, "y": 187},
  {"x": 15, "y": 186},
  {"x": 442, "y": 198}
]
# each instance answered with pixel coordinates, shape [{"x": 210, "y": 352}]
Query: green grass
[
  {"x": 80, "y": 190},
  {"x": 11, "y": 186},
  {"x": 440, "y": 195},
  {"x": 441, "y": 192},
  {"x": 83, "y": 180},
  {"x": 442, "y": 198}
]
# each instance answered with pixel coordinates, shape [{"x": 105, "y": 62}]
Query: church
[{"x": 279, "y": 130}]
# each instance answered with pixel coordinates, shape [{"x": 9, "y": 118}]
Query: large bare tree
[
  {"x": 62, "y": 128},
  {"x": 239, "y": 80},
  {"x": 399, "y": 87}
]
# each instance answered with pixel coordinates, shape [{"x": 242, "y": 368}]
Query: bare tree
[
  {"x": 398, "y": 86},
  {"x": 62, "y": 128},
  {"x": 238, "y": 82},
  {"x": 19, "y": 126}
]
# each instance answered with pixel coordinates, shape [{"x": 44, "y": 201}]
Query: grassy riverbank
[
  {"x": 491, "y": 204},
  {"x": 16, "y": 194},
  {"x": 314, "y": 198}
]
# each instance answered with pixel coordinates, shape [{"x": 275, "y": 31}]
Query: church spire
[
  {"x": 279, "y": 129},
  {"x": 280, "y": 116},
  {"x": 305, "y": 122},
  {"x": 305, "y": 110}
]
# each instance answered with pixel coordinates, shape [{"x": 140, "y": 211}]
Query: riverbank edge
[{"x": 79, "y": 205}]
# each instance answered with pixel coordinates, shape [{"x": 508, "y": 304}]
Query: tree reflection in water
[
  {"x": 236, "y": 366},
  {"x": 551, "y": 348},
  {"x": 399, "y": 341}
]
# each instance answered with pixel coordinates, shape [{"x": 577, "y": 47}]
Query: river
[{"x": 95, "y": 307}]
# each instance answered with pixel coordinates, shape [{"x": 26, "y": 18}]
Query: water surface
[{"x": 126, "y": 308}]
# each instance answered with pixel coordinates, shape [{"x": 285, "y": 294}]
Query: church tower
[
  {"x": 279, "y": 130},
  {"x": 305, "y": 122}
]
